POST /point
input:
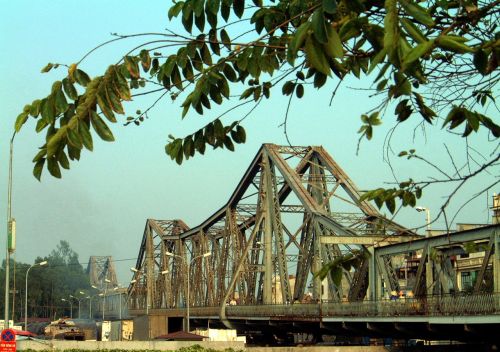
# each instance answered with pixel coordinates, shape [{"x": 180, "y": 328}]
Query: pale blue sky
[{"x": 100, "y": 206}]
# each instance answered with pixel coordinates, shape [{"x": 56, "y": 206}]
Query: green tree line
[{"x": 62, "y": 276}]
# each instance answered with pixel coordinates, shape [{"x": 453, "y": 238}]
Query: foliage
[
  {"x": 63, "y": 276},
  {"x": 434, "y": 59},
  {"x": 340, "y": 264}
]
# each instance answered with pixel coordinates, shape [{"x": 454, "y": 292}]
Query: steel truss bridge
[{"x": 293, "y": 211}]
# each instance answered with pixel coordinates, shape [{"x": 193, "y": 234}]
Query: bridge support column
[
  {"x": 373, "y": 280},
  {"x": 496, "y": 262},
  {"x": 429, "y": 271},
  {"x": 266, "y": 204}
]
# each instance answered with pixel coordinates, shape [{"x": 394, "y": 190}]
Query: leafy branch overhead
[{"x": 415, "y": 50}]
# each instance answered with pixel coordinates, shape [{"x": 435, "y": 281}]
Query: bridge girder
[{"x": 293, "y": 210}]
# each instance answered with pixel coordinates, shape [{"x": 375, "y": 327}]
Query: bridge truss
[
  {"x": 294, "y": 210},
  {"x": 101, "y": 271}
]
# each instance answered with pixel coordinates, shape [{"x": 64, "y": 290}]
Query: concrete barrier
[
  {"x": 39, "y": 345},
  {"x": 319, "y": 349}
]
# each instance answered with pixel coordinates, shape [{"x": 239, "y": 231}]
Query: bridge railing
[{"x": 446, "y": 305}]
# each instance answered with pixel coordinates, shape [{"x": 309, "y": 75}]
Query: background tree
[
  {"x": 432, "y": 60},
  {"x": 63, "y": 276}
]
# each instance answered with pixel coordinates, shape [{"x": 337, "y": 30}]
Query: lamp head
[
  {"x": 43, "y": 263},
  {"x": 170, "y": 254},
  {"x": 420, "y": 209},
  {"x": 134, "y": 270}
]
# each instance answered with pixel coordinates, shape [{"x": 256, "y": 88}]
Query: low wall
[
  {"x": 124, "y": 345},
  {"x": 319, "y": 349}
]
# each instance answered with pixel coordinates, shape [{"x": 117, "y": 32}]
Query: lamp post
[
  {"x": 103, "y": 294},
  {"x": 70, "y": 305},
  {"x": 137, "y": 272},
  {"x": 79, "y": 302},
  {"x": 90, "y": 305},
  {"x": 188, "y": 267},
  {"x": 26, "y": 293},
  {"x": 9, "y": 248},
  {"x": 427, "y": 218}
]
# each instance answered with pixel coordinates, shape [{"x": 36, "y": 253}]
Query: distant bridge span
[{"x": 294, "y": 210}]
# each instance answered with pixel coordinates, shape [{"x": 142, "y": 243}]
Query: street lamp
[
  {"x": 188, "y": 267},
  {"x": 90, "y": 305},
  {"x": 133, "y": 281},
  {"x": 79, "y": 302},
  {"x": 9, "y": 248},
  {"x": 103, "y": 295},
  {"x": 26, "y": 293},
  {"x": 70, "y": 305},
  {"x": 427, "y": 218}
]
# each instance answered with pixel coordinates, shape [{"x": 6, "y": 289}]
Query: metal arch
[
  {"x": 101, "y": 268},
  {"x": 292, "y": 202}
]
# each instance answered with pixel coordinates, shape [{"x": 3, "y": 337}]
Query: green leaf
[
  {"x": 391, "y": 36},
  {"x": 38, "y": 168},
  {"x": 81, "y": 77},
  {"x": 205, "y": 55},
  {"x": 417, "y": 52},
  {"x": 336, "y": 275},
  {"x": 175, "y": 10},
  {"x": 21, "y": 119},
  {"x": 225, "y": 39},
  {"x": 63, "y": 160},
  {"x": 35, "y": 107},
  {"x": 316, "y": 56},
  {"x": 101, "y": 128},
  {"x": 417, "y": 12},
  {"x": 288, "y": 88},
  {"x": 105, "y": 108},
  {"x": 132, "y": 66},
  {"x": 238, "y": 7},
  {"x": 390, "y": 203},
  {"x": 145, "y": 60},
  {"x": 48, "y": 109},
  {"x": 297, "y": 40},
  {"x": 53, "y": 167},
  {"x": 330, "y": 6},
  {"x": 60, "y": 101},
  {"x": 188, "y": 147},
  {"x": 229, "y": 73},
  {"x": 300, "y": 90},
  {"x": 218, "y": 129},
  {"x": 69, "y": 89},
  {"x": 47, "y": 68},
  {"x": 74, "y": 137},
  {"x": 213, "y": 6},
  {"x": 334, "y": 46},
  {"x": 319, "y": 79},
  {"x": 84, "y": 132},
  {"x": 318, "y": 26},
  {"x": 481, "y": 61},
  {"x": 413, "y": 30},
  {"x": 228, "y": 143},
  {"x": 453, "y": 44},
  {"x": 240, "y": 134}
]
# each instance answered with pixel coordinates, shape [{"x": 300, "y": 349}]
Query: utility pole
[{"x": 11, "y": 235}]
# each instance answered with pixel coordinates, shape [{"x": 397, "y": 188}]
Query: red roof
[
  {"x": 24, "y": 333},
  {"x": 180, "y": 335}
]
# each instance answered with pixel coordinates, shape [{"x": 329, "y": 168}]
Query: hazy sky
[{"x": 101, "y": 205}]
